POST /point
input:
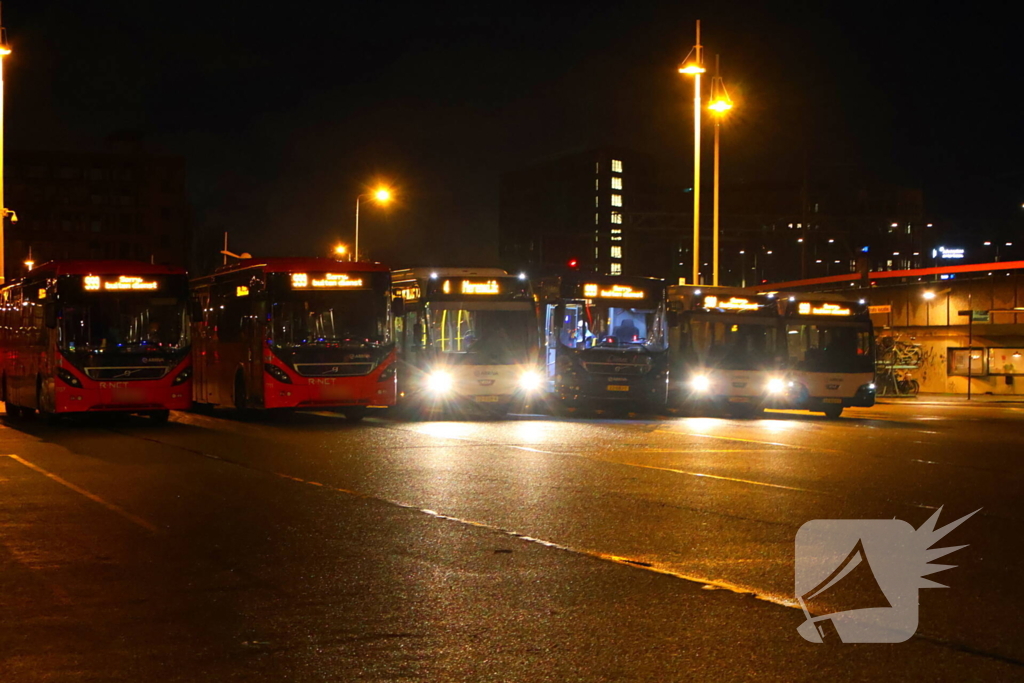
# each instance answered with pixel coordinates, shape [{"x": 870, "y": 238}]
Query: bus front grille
[
  {"x": 125, "y": 373},
  {"x": 333, "y": 369},
  {"x": 615, "y": 368}
]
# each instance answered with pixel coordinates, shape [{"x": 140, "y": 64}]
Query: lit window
[
  {"x": 597, "y": 183},
  {"x": 597, "y": 167},
  {"x": 616, "y": 269},
  {"x": 597, "y": 201},
  {"x": 616, "y": 252},
  {"x": 616, "y": 216},
  {"x": 616, "y": 166},
  {"x": 616, "y": 238},
  {"x": 616, "y": 231},
  {"x": 597, "y": 219},
  {"x": 616, "y": 200},
  {"x": 616, "y": 183}
]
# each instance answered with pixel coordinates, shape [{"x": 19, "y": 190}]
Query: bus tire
[
  {"x": 832, "y": 412},
  {"x": 13, "y": 411},
  {"x": 355, "y": 414},
  {"x": 44, "y": 399},
  {"x": 241, "y": 398}
]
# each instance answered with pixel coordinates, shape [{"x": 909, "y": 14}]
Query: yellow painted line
[
  {"x": 741, "y": 440},
  {"x": 705, "y": 475},
  {"x": 117, "y": 509}
]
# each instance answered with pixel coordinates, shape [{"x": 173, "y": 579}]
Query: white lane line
[{"x": 116, "y": 509}]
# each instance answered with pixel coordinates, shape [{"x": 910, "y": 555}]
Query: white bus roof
[{"x": 425, "y": 273}]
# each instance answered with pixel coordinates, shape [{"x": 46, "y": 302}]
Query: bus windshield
[
  {"x": 825, "y": 347},
  {"x": 125, "y": 323},
  {"x": 483, "y": 337},
  {"x": 586, "y": 326},
  {"x": 739, "y": 345},
  {"x": 329, "y": 318}
]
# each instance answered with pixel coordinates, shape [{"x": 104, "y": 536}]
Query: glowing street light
[
  {"x": 693, "y": 65},
  {"x": 340, "y": 250},
  {"x": 4, "y": 212},
  {"x": 720, "y": 104},
  {"x": 382, "y": 195}
]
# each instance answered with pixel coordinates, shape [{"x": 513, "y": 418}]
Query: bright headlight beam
[
  {"x": 439, "y": 382},
  {"x": 530, "y": 380},
  {"x": 700, "y": 383},
  {"x": 776, "y": 385}
]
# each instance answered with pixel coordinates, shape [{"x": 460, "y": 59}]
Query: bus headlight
[
  {"x": 68, "y": 378},
  {"x": 277, "y": 373},
  {"x": 700, "y": 383},
  {"x": 439, "y": 382},
  {"x": 776, "y": 385},
  {"x": 182, "y": 377},
  {"x": 530, "y": 381}
]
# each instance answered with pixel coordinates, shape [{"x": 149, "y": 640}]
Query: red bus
[
  {"x": 295, "y": 333},
  {"x": 96, "y": 336}
]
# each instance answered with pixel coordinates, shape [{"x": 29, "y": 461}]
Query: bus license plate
[
  {"x": 833, "y": 400},
  {"x": 488, "y": 399},
  {"x": 738, "y": 399},
  {"x": 618, "y": 387}
]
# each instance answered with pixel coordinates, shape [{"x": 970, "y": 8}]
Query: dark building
[
  {"x": 574, "y": 208},
  {"x": 124, "y": 203},
  {"x": 609, "y": 210}
]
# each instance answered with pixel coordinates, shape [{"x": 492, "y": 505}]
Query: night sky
[{"x": 285, "y": 111}]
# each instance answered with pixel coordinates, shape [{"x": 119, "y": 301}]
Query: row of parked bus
[{"x": 123, "y": 336}]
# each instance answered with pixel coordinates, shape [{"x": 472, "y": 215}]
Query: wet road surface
[{"x": 655, "y": 548}]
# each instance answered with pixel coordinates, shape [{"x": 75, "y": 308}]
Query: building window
[
  {"x": 616, "y": 269},
  {"x": 616, "y": 166},
  {"x": 616, "y": 183},
  {"x": 616, "y": 231},
  {"x": 616, "y": 218},
  {"x": 616, "y": 238},
  {"x": 616, "y": 200},
  {"x": 616, "y": 251},
  {"x": 597, "y": 219},
  {"x": 597, "y": 167}
]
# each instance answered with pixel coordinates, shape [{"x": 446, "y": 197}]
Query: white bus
[{"x": 468, "y": 336}]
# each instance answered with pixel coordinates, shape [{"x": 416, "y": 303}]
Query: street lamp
[
  {"x": 340, "y": 250},
  {"x": 382, "y": 195},
  {"x": 4, "y": 52},
  {"x": 720, "y": 104},
  {"x": 693, "y": 65}
]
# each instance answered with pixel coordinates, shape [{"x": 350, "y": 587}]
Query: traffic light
[{"x": 573, "y": 263}]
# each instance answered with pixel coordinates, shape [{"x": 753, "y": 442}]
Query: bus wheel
[
  {"x": 355, "y": 414},
  {"x": 13, "y": 411},
  {"x": 160, "y": 416},
  {"x": 832, "y": 411},
  {"x": 241, "y": 401}
]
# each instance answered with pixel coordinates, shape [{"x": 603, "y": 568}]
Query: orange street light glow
[
  {"x": 382, "y": 195},
  {"x": 720, "y": 106},
  {"x": 692, "y": 69}
]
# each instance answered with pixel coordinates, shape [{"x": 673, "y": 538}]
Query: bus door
[{"x": 552, "y": 325}]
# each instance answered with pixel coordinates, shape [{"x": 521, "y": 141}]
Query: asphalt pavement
[{"x": 648, "y": 548}]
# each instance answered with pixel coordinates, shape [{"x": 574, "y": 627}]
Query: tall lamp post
[
  {"x": 4, "y": 212},
  {"x": 694, "y": 66},
  {"x": 381, "y": 195},
  {"x": 720, "y": 104}
]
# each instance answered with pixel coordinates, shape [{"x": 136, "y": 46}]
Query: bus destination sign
[
  {"x": 474, "y": 287},
  {"x": 95, "y": 283},
  {"x": 734, "y": 303},
  {"x": 592, "y": 290},
  {"x": 325, "y": 281},
  {"x": 807, "y": 308}
]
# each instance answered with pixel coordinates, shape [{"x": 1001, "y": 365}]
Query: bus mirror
[
  {"x": 398, "y": 306},
  {"x": 50, "y": 314}
]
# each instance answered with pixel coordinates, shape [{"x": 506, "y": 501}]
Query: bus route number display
[
  {"x": 593, "y": 291},
  {"x": 325, "y": 281},
  {"x": 123, "y": 283},
  {"x": 807, "y": 308},
  {"x": 474, "y": 287}
]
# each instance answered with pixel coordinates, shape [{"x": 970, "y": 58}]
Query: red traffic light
[{"x": 573, "y": 263}]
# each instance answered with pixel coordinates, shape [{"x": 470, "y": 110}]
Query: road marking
[
  {"x": 116, "y": 509},
  {"x": 741, "y": 440},
  {"x": 720, "y": 477}
]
